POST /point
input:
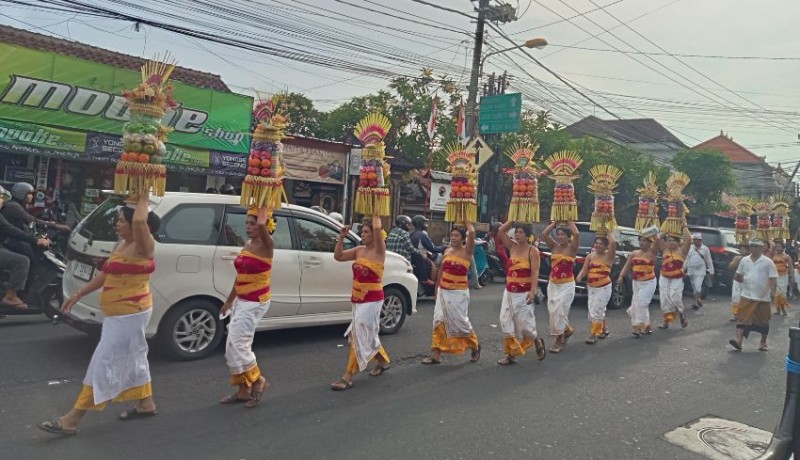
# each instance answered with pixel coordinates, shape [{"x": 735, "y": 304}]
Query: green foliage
[
  {"x": 711, "y": 175},
  {"x": 304, "y": 119}
]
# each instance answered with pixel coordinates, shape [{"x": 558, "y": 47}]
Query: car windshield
[
  {"x": 730, "y": 238},
  {"x": 100, "y": 224}
]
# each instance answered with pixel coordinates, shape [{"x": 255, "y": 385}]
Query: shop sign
[
  {"x": 314, "y": 165},
  {"x": 17, "y": 174},
  {"x": 58, "y": 90},
  {"x": 27, "y": 138},
  {"x": 355, "y": 162},
  {"x": 440, "y": 193}
]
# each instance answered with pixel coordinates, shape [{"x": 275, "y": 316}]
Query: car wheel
[
  {"x": 393, "y": 313},
  {"x": 190, "y": 330},
  {"x": 619, "y": 296}
]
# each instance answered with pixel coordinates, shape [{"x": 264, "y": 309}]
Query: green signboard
[
  {"x": 500, "y": 114},
  {"x": 56, "y": 90},
  {"x": 28, "y": 138}
]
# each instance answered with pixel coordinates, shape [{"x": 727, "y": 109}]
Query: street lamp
[{"x": 537, "y": 43}]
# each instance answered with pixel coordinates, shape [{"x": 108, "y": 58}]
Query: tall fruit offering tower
[
  {"x": 604, "y": 181},
  {"x": 676, "y": 209},
  {"x": 372, "y": 196},
  {"x": 563, "y": 165},
  {"x": 263, "y": 184},
  {"x": 647, "y": 212},
  {"x": 524, "y": 206},
  {"x": 462, "y": 206}
]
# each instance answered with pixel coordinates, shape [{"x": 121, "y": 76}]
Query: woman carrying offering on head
[
  {"x": 642, "y": 263},
  {"x": 367, "y": 301},
  {"x": 597, "y": 270},
  {"x": 452, "y": 331},
  {"x": 119, "y": 370},
  {"x": 247, "y": 303},
  {"x": 673, "y": 255},
  {"x": 561, "y": 288}
]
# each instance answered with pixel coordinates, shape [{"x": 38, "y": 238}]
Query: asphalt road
[{"x": 612, "y": 400}]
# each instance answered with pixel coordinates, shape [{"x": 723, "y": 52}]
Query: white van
[{"x": 199, "y": 238}]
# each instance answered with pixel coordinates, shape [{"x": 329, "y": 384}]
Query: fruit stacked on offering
[
  {"x": 742, "y": 209},
  {"x": 143, "y": 149},
  {"x": 563, "y": 165},
  {"x": 524, "y": 205},
  {"x": 263, "y": 184},
  {"x": 372, "y": 196},
  {"x": 564, "y": 193},
  {"x": 742, "y": 223},
  {"x": 461, "y": 188},
  {"x": 604, "y": 181},
  {"x": 462, "y": 206},
  {"x": 780, "y": 217},
  {"x": 524, "y": 186},
  {"x": 676, "y": 210},
  {"x": 647, "y": 211}
]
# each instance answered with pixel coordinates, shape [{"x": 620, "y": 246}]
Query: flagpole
[{"x": 431, "y": 135}]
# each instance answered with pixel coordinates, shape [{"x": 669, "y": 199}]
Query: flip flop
[
  {"x": 507, "y": 361},
  {"x": 18, "y": 305},
  {"x": 233, "y": 399},
  {"x": 735, "y": 344},
  {"x": 475, "y": 355},
  {"x": 763, "y": 348},
  {"x": 379, "y": 370},
  {"x": 684, "y": 321},
  {"x": 591, "y": 340},
  {"x": 555, "y": 349},
  {"x": 54, "y": 426},
  {"x": 255, "y": 397},
  {"x": 134, "y": 413},
  {"x": 541, "y": 351},
  {"x": 341, "y": 385},
  {"x": 430, "y": 360}
]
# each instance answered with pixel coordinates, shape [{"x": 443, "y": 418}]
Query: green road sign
[{"x": 500, "y": 114}]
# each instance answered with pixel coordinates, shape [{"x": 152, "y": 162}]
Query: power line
[{"x": 700, "y": 56}]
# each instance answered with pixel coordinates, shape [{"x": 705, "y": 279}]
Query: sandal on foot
[
  {"x": 591, "y": 340},
  {"x": 541, "y": 351},
  {"x": 636, "y": 334},
  {"x": 256, "y": 396},
  {"x": 233, "y": 399},
  {"x": 735, "y": 344},
  {"x": 555, "y": 349},
  {"x": 55, "y": 427},
  {"x": 567, "y": 334},
  {"x": 134, "y": 413},
  {"x": 19, "y": 305},
  {"x": 506, "y": 361},
  {"x": 431, "y": 360},
  {"x": 684, "y": 321},
  {"x": 379, "y": 370},
  {"x": 763, "y": 348},
  {"x": 341, "y": 385},
  {"x": 664, "y": 326},
  {"x": 604, "y": 335},
  {"x": 475, "y": 355}
]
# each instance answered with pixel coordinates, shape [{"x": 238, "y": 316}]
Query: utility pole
[{"x": 472, "y": 97}]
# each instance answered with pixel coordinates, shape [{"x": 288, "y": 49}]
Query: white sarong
[
  {"x": 452, "y": 309},
  {"x": 640, "y": 302},
  {"x": 119, "y": 362},
  {"x": 671, "y": 294},
  {"x": 598, "y": 301},
  {"x": 783, "y": 285},
  {"x": 363, "y": 331},
  {"x": 516, "y": 316},
  {"x": 697, "y": 278},
  {"x": 239, "y": 345},
  {"x": 559, "y": 301}
]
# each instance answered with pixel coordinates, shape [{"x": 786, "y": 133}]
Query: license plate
[{"x": 82, "y": 271}]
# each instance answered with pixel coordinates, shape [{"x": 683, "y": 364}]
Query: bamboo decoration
[
  {"x": 263, "y": 184},
  {"x": 780, "y": 217},
  {"x": 563, "y": 165},
  {"x": 604, "y": 181},
  {"x": 676, "y": 209},
  {"x": 462, "y": 206},
  {"x": 143, "y": 141},
  {"x": 763, "y": 208},
  {"x": 743, "y": 209},
  {"x": 647, "y": 212},
  {"x": 372, "y": 196},
  {"x": 524, "y": 206}
]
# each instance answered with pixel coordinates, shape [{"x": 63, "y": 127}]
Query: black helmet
[
  {"x": 403, "y": 221},
  {"x": 420, "y": 222},
  {"x": 227, "y": 189},
  {"x": 20, "y": 189}
]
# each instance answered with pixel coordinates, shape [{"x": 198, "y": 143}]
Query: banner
[
  {"x": 440, "y": 193},
  {"x": 52, "y": 89},
  {"x": 31, "y": 139},
  {"x": 315, "y": 165}
]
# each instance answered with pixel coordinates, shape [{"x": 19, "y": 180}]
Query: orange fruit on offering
[{"x": 143, "y": 158}]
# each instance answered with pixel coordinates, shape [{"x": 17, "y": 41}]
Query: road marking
[{"x": 720, "y": 439}]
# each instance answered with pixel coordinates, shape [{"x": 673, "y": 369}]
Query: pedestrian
[
  {"x": 561, "y": 288},
  {"x": 452, "y": 330},
  {"x": 759, "y": 279},
  {"x": 698, "y": 266},
  {"x": 597, "y": 270},
  {"x": 736, "y": 287},
  {"x": 642, "y": 263},
  {"x": 367, "y": 301},
  {"x": 783, "y": 263},
  {"x": 119, "y": 370},
  {"x": 247, "y": 303},
  {"x": 673, "y": 256},
  {"x": 517, "y": 318}
]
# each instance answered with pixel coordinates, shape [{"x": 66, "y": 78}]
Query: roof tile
[{"x": 731, "y": 149}]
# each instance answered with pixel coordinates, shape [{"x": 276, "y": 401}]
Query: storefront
[
  {"x": 316, "y": 172},
  {"x": 61, "y": 119}
]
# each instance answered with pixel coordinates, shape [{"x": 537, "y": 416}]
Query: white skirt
[
  {"x": 363, "y": 331},
  {"x": 598, "y": 301},
  {"x": 516, "y": 316},
  {"x": 119, "y": 362},
  {"x": 671, "y": 294},
  {"x": 640, "y": 302},
  {"x": 239, "y": 346},
  {"x": 452, "y": 309},
  {"x": 559, "y": 301}
]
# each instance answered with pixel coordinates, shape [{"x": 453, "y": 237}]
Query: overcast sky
[{"x": 753, "y": 100}]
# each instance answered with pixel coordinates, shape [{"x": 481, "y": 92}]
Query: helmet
[
  {"x": 318, "y": 209},
  {"x": 420, "y": 222},
  {"x": 20, "y": 189},
  {"x": 227, "y": 189},
  {"x": 4, "y": 193},
  {"x": 403, "y": 221},
  {"x": 337, "y": 217}
]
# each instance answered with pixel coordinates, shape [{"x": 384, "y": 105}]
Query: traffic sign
[
  {"x": 482, "y": 151},
  {"x": 500, "y": 114}
]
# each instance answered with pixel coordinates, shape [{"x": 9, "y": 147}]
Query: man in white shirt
[
  {"x": 698, "y": 266},
  {"x": 759, "y": 279}
]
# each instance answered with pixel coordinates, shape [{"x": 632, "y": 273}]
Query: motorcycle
[
  {"x": 425, "y": 287},
  {"x": 43, "y": 289}
]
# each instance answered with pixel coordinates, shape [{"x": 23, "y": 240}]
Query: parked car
[
  {"x": 199, "y": 238},
  {"x": 721, "y": 243}
]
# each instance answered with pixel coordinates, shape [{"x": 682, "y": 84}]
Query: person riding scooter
[
  {"x": 16, "y": 264},
  {"x": 421, "y": 241},
  {"x": 16, "y": 213}
]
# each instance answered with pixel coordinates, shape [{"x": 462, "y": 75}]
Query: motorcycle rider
[
  {"x": 421, "y": 241},
  {"x": 227, "y": 189},
  {"x": 337, "y": 217},
  {"x": 17, "y": 265},
  {"x": 399, "y": 240},
  {"x": 16, "y": 213}
]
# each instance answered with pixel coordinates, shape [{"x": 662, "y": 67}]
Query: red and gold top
[
  {"x": 781, "y": 265},
  {"x": 672, "y": 265},
  {"x": 454, "y": 273},
  {"x": 253, "y": 277},
  {"x": 126, "y": 289},
  {"x": 562, "y": 269},
  {"x": 643, "y": 269},
  {"x": 599, "y": 274},
  {"x": 367, "y": 281},
  {"x": 518, "y": 278}
]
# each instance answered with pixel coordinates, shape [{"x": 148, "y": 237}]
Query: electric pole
[{"x": 472, "y": 97}]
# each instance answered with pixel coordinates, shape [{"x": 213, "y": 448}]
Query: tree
[
  {"x": 711, "y": 175},
  {"x": 304, "y": 119}
]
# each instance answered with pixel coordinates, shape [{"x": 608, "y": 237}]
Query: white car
[{"x": 199, "y": 238}]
